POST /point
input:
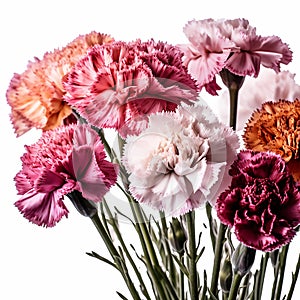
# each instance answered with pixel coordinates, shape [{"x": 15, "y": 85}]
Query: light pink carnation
[
  {"x": 67, "y": 159},
  {"x": 207, "y": 52},
  {"x": 120, "y": 84},
  {"x": 177, "y": 163},
  {"x": 230, "y": 44}
]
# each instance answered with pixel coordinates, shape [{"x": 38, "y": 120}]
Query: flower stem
[
  {"x": 181, "y": 279},
  {"x": 217, "y": 259},
  {"x": 211, "y": 225},
  {"x": 104, "y": 141},
  {"x": 234, "y": 83},
  {"x": 192, "y": 256},
  {"x": 233, "y": 92},
  {"x": 171, "y": 266},
  {"x": 121, "y": 240},
  {"x": 115, "y": 255},
  {"x": 294, "y": 280},
  {"x": 283, "y": 257},
  {"x": 152, "y": 264},
  {"x": 235, "y": 287},
  {"x": 262, "y": 274},
  {"x": 245, "y": 287}
]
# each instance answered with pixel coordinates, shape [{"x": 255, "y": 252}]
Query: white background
[{"x": 39, "y": 263}]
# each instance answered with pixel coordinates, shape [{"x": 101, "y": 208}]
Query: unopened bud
[
  {"x": 226, "y": 275},
  {"x": 177, "y": 235},
  {"x": 84, "y": 206},
  {"x": 243, "y": 259}
]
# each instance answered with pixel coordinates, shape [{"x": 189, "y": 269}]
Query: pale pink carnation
[
  {"x": 230, "y": 44},
  {"x": 63, "y": 160},
  {"x": 177, "y": 163},
  {"x": 120, "y": 84}
]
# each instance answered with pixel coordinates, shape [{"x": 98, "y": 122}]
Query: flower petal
[{"x": 43, "y": 209}]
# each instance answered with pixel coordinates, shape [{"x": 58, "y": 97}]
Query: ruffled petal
[
  {"x": 243, "y": 63},
  {"x": 43, "y": 209}
]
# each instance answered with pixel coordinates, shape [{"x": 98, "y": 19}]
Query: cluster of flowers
[{"x": 177, "y": 153}]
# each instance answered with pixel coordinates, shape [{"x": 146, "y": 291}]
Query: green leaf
[
  {"x": 200, "y": 254},
  {"x": 96, "y": 255},
  {"x": 212, "y": 297},
  {"x": 122, "y": 296},
  {"x": 181, "y": 265}
]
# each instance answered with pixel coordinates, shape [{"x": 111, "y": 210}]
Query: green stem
[
  {"x": 121, "y": 240},
  {"x": 245, "y": 287},
  {"x": 151, "y": 251},
  {"x": 275, "y": 281},
  {"x": 283, "y": 257},
  {"x": 145, "y": 232},
  {"x": 146, "y": 246},
  {"x": 235, "y": 287},
  {"x": 262, "y": 274},
  {"x": 107, "y": 240},
  {"x": 233, "y": 92},
  {"x": 181, "y": 279},
  {"x": 204, "y": 289},
  {"x": 217, "y": 259},
  {"x": 171, "y": 265},
  {"x": 115, "y": 255},
  {"x": 211, "y": 225},
  {"x": 192, "y": 256},
  {"x": 225, "y": 296},
  {"x": 294, "y": 280},
  {"x": 105, "y": 143}
]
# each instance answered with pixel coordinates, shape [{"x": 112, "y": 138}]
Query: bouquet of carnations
[{"x": 126, "y": 136}]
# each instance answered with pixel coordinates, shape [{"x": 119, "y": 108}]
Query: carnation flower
[
  {"x": 276, "y": 127},
  {"x": 254, "y": 92},
  {"x": 232, "y": 45},
  {"x": 66, "y": 159},
  {"x": 176, "y": 163},
  {"x": 36, "y": 95},
  {"x": 207, "y": 52},
  {"x": 120, "y": 84},
  {"x": 263, "y": 201}
]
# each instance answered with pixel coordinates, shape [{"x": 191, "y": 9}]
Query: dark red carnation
[{"x": 262, "y": 202}]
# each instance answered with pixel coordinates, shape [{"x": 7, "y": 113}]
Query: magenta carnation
[
  {"x": 120, "y": 84},
  {"x": 67, "y": 159},
  {"x": 262, "y": 202}
]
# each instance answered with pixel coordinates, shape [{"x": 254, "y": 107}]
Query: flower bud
[
  {"x": 177, "y": 235},
  {"x": 243, "y": 259},
  {"x": 84, "y": 206},
  {"x": 226, "y": 275}
]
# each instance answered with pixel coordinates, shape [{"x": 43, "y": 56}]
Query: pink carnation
[
  {"x": 230, "y": 44},
  {"x": 120, "y": 84},
  {"x": 177, "y": 163},
  {"x": 263, "y": 201},
  {"x": 63, "y": 160}
]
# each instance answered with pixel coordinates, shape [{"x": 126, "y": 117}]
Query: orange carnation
[
  {"x": 276, "y": 127},
  {"x": 36, "y": 95}
]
